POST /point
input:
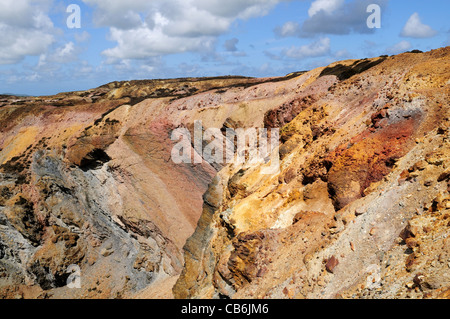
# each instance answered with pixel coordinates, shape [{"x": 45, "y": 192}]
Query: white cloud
[
  {"x": 26, "y": 29},
  {"x": 289, "y": 29},
  {"x": 243, "y": 9},
  {"x": 142, "y": 42},
  {"x": 327, "y": 6},
  {"x": 145, "y": 28},
  {"x": 400, "y": 47},
  {"x": 119, "y": 13},
  {"x": 337, "y": 17},
  {"x": 65, "y": 54},
  {"x": 414, "y": 28},
  {"x": 321, "y": 13},
  {"x": 320, "y": 47}
]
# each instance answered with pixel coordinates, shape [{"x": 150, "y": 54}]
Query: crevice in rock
[{"x": 94, "y": 160}]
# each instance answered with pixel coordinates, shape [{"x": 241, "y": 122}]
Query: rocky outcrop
[
  {"x": 87, "y": 180},
  {"x": 360, "y": 206}
]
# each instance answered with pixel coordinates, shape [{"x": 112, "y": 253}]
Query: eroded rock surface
[
  {"x": 87, "y": 179},
  {"x": 360, "y": 207}
]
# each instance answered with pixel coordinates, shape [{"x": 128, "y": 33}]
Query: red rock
[{"x": 331, "y": 264}]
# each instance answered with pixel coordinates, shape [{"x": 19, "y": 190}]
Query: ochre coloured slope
[
  {"x": 359, "y": 209},
  {"x": 362, "y": 193}
]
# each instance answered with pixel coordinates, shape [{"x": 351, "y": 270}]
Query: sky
[{"x": 52, "y": 46}]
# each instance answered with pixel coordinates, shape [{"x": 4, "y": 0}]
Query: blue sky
[{"x": 148, "y": 39}]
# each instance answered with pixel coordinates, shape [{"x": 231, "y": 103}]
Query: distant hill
[{"x": 12, "y": 94}]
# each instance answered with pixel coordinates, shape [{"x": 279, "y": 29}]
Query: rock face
[
  {"x": 359, "y": 208},
  {"x": 87, "y": 179},
  {"x": 361, "y": 205}
]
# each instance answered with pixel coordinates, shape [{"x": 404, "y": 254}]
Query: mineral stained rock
[{"x": 360, "y": 207}]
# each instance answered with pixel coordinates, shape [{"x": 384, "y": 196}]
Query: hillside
[{"x": 359, "y": 209}]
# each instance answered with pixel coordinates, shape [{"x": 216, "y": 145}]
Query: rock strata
[{"x": 359, "y": 208}]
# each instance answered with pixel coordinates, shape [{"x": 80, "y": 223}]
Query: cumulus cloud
[
  {"x": 414, "y": 28},
  {"x": 326, "y": 6},
  {"x": 289, "y": 29},
  {"x": 332, "y": 17},
  {"x": 400, "y": 47},
  {"x": 339, "y": 17},
  {"x": 243, "y": 9},
  {"x": 145, "y": 28},
  {"x": 118, "y": 13},
  {"x": 26, "y": 29},
  {"x": 317, "y": 48},
  {"x": 142, "y": 42},
  {"x": 66, "y": 53},
  {"x": 51, "y": 64}
]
